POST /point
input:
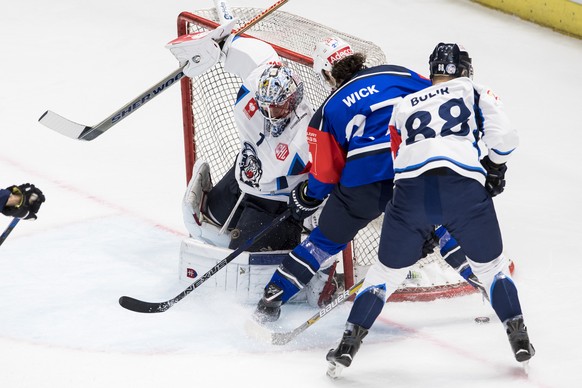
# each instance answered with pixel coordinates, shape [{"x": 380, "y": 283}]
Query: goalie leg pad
[
  {"x": 193, "y": 201},
  {"x": 209, "y": 234}
]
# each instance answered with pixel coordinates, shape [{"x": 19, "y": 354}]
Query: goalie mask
[
  {"x": 325, "y": 54},
  {"x": 451, "y": 60},
  {"x": 279, "y": 93}
]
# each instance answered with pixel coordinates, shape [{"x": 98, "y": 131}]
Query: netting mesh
[{"x": 215, "y": 137}]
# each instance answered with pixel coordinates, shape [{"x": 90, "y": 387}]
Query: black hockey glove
[
  {"x": 31, "y": 199},
  {"x": 300, "y": 204},
  {"x": 495, "y": 181},
  {"x": 430, "y": 244}
]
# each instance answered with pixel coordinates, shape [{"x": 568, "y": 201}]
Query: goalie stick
[
  {"x": 8, "y": 229},
  {"x": 78, "y": 131},
  {"x": 282, "y": 338},
  {"x": 140, "y": 306}
]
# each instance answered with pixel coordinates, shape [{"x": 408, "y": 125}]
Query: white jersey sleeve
[
  {"x": 441, "y": 126},
  {"x": 497, "y": 133},
  {"x": 244, "y": 55}
]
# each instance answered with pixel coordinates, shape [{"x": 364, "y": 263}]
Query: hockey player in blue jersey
[
  {"x": 21, "y": 201},
  {"x": 349, "y": 146},
  {"x": 440, "y": 179}
]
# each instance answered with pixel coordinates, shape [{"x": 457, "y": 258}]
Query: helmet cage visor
[{"x": 273, "y": 110}]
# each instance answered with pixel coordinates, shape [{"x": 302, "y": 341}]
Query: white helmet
[{"x": 326, "y": 53}]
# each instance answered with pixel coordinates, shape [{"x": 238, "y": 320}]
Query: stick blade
[
  {"x": 139, "y": 306},
  {"x": 282, "y": 338},
  {"x": 63, "y": 125},
  {"x": 262, "y": 333},
  {"x": 257, "y": 331}
]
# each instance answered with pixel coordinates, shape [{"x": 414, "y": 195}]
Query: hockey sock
[
  {"x": 367, "y": 306},
  {"x": 504, "y": 299}
]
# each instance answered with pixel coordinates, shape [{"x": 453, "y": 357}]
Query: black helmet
[{"x": 450, "y": 59}]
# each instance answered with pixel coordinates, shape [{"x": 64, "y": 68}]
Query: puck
[{"x": 482, "y": 320}]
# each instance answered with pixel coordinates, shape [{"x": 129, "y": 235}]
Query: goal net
[{"x": 210, "y": 132}]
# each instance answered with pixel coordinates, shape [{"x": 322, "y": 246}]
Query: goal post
[{"x": 210, "y": 132}]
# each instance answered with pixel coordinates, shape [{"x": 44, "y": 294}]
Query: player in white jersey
[
  {"x": 440, "y": 180},
  {"x": 271, "y": 116}
]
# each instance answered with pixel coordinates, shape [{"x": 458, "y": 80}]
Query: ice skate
[
  {"x": 522, "y": 348},
  {"x": 269, "y": 307},
  {"x": 343, "y": 355}
]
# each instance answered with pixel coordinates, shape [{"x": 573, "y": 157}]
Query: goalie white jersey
[
  {"x": 267, "y": 166},
  {"x": 454, "y": 116}
]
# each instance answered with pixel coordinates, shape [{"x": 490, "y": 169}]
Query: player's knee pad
[
  {"x": 390, "y": 278},
  {"x": 487, "y": 272},
  {"x": 324, "y": 244},
  {"x": 305, "y": 260}
]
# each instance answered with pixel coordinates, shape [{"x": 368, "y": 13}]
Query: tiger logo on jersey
[{"x": 250, "y": 166}]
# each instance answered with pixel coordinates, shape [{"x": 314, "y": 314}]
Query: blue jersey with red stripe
[{"x": 349, "y": 139}]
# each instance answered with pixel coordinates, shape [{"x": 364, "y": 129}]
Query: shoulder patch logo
[{"x": 251, "y": 108}]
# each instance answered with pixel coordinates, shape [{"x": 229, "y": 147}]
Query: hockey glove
[
  {"x": 300, "y": 204},
  {"x": 495, "y": 181},
  {"x": 430, "y": 244},
  {"x": 30, "y": 200}
]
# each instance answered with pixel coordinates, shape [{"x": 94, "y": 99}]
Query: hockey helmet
[
  {"x": 279, "y": 93},
  {"x": 326, "y": 53},
  {"x": 450, "y": 59}
]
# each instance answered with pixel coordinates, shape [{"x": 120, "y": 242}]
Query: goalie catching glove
[
  {"x": 495, "y": 181},
  {"x": 202, "y": 50},
  {"x": 301, "y": 205},
  {"x": 30, "y": 200}
]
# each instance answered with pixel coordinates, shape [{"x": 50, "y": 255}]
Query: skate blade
[
  {"x": 525, "y": 366},
  {"x": 334, "y": 370}
]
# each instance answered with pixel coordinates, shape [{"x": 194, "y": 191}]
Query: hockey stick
[
  {"x": 153, "y": 307},
  {"x": 77, "y": 131},
  {"x": 283, "y": 338},
  {"x": 8, "y": 229}
]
